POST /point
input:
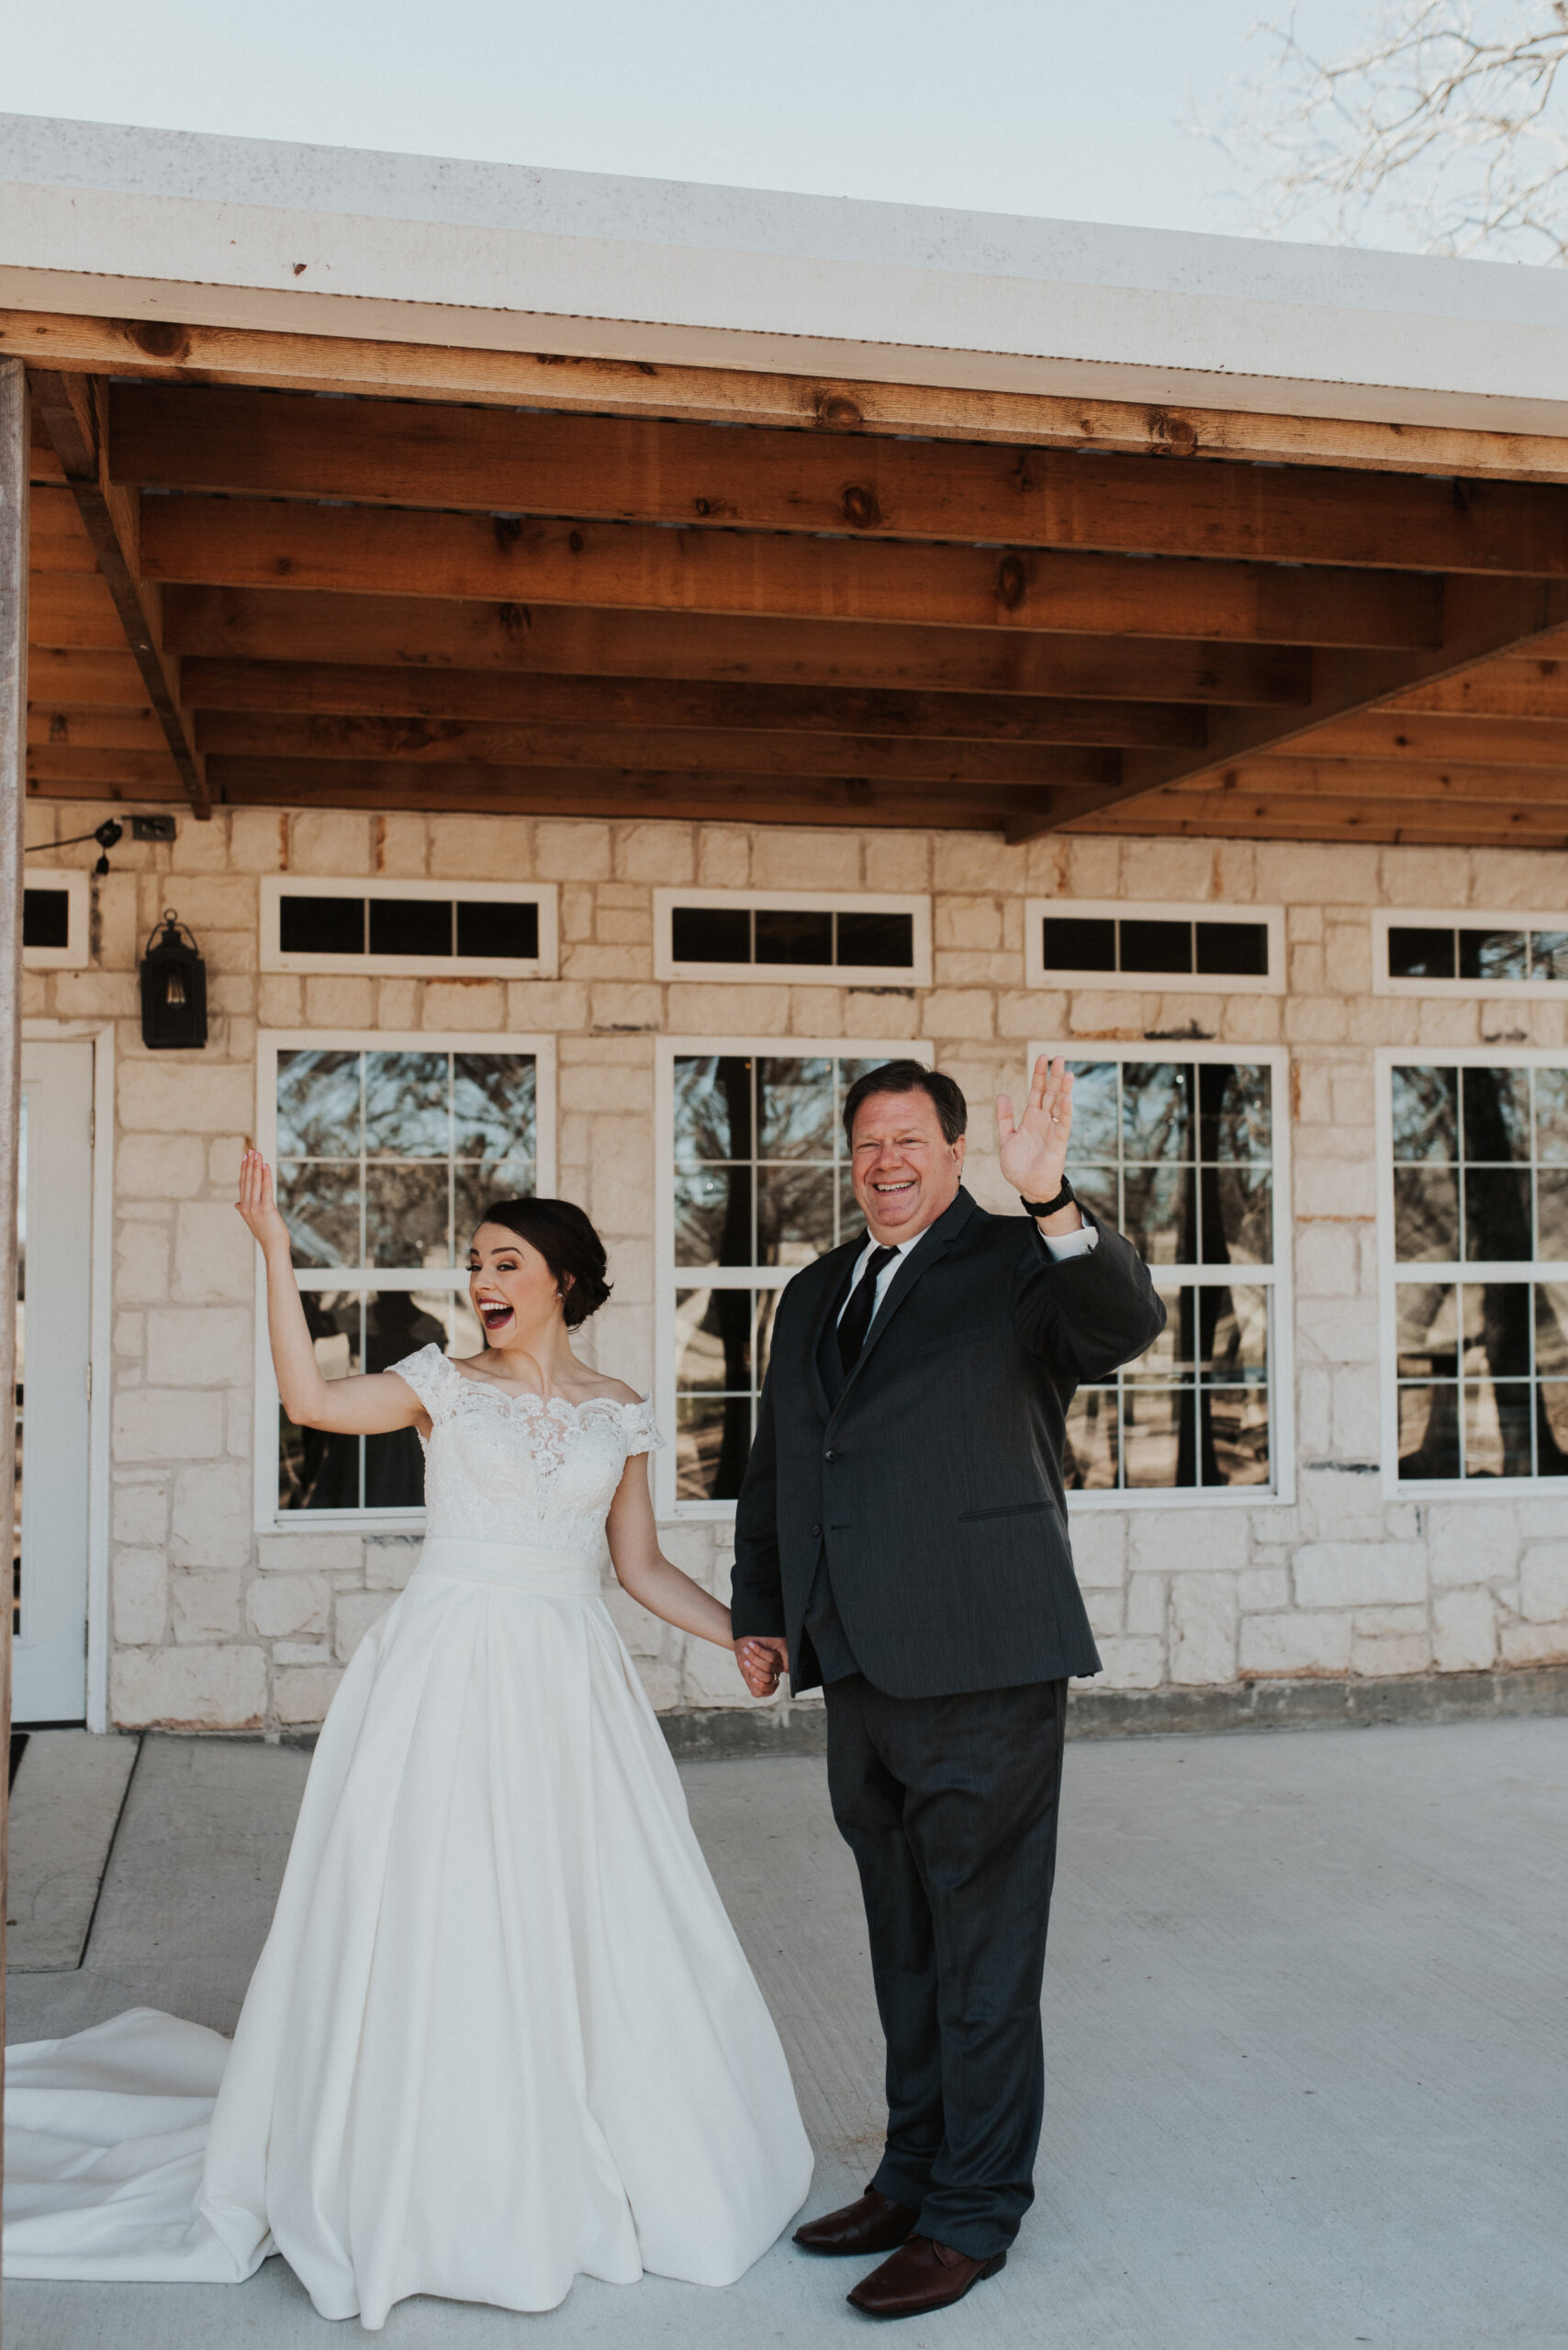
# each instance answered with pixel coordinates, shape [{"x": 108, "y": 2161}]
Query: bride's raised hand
[
  {"x": 1032, "y": 1148},
  {"x": 257, "y": 1206}
]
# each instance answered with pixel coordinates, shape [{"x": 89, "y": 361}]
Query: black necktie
[{"x": 862, "y": 1304}]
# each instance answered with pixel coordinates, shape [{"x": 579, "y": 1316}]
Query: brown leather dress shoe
[
  {"x": 873, "y": 2225},
  {"x": 921, "y": 2276}
]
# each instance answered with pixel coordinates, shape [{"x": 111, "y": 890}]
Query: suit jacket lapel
[
  {"x": 843, "y": 1257},
  {"x": 933, "y": 1242}
]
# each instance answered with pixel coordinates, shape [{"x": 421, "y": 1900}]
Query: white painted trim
[
  {"x": 275, "y": 886},
  {"x": 267, "y": 1518},
  {"x": 77, "y": 884},
  {"x": 668, "y": 1050},
  {"x": 807, "y": 901},
  {"x": 1278, "y": 1277},
  {"x": 1035, "y": 974},
  {"x": 1392, "y": 1276},
  {"x": 1387, "y": 918},
  {"x": 100, "y": 1344}
]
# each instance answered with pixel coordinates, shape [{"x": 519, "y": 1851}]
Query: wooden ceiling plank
[
  {"x": 69, "y": 406},
  {"x": 1313, "y": 816},
  {"x": 476, "y": 695},
  {"x": 65, "y": 679},
  {"x": 1523, "y": 686},
  {"x": 427, "y": 637},
  {"x": 1420, "y": 738},
  {"x": 248, "y": 542},
  {"x": 1382, "y": 780},
  {"x": 74, "y": 612},
  {"x": 457, "y": 742},
  {"x": 257, "y": 443},
  {"x": 57, "y": 536},
  {"x": 131, "y": 771},
  {"x": 170, "y": 351},
  {"x": 93, "y": 730}
]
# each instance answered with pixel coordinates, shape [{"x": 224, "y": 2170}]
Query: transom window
[
  {"x": 1207, "y": 949},
  {"x": 1507, "y": 954},
  {"x": 1182, "y": 1150},
  {"x": 56, "y": 919},
  {"x": 387, "y": 1149},
  {"x": 1477, "y": 1198},
  {"x": 771, "y": 935},
  {"x": 408, "y": 929},
  {"x": 756, "y": 1185}
]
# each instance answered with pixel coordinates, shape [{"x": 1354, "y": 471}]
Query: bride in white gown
[{"x": 502, "y": 2033}]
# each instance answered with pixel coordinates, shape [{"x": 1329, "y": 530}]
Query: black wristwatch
[{"x": 1065, "y": 1198}]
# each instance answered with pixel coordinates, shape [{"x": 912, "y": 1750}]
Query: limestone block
[
  {"x": 1527, "y": 1644},
  {"x": 1504, "y": 877},
  {"x": 1543, "y": 1582},
  {"x": 36, "y": 993},
  {"x": 400, "y": 845},
  {"x": 356, "y": 1612},
  {"x": 223, "y": 1161},
  {"x": 211, "y": 1521},
  {"x": 1355, "y": 1410},
  {"x": 898, "y": 860},
  {"x": 167, "y": 1424},
  {"x": 1104, "y": 1012},
  {"x": 1098, "y": 1548},
  {"x": 621, "y": 1174},
  {"x": 140, "y": 1585},
  {"x": 238, "y": 1423},
  {"x": 1344, "y": 1190},
  {"x": 1326, "y": 1261},
  {"x": 711, "y": 1677},
  {"x": 968, "y": 922},
  {"x": 785, "y": 859},
  {"x": 302, "y": 1653},
  {"x": 1441, "y": 1022},
  {"x": 1103, "y": 1609},
  {"x": 1203, "y": 1629},
  {"x": 199, "y": 1346},
  {"x": 206, "y": 1603},
  {"x": 160, "y": 1167},
  {"x": 623, "y": 925},
  {"x": 139, "y": 1514},
  {"x": 643, "y": 1633},
  {"x": 1251, "y": 1019},
  {"x": 1408, "y": 1652},
  {"x": 280, "y": 1000},
  {"x": 1385, "y": 1623},
  {"x": 1261, "y": 1588},
  {"x": 565, "y": 850},
  {"x": 329, "y": 840},
  {"x": 1347, "y": 960},
  {"x": 207, "y": 903},
  {"x": 281, "y": 1606},
  {"x": 1183, "y": 1540},
  {"x": 723, "y": 857},
  {"x": 257, "y": 839},
  {"x": 39, "y": 823},
  {"x": 660, "y": 1680},
  {"x": 1130, "y": 1664},
  {"x": 1316, "y": 1019},
  {"x": 339, "y": 1000},
  {"x": 234, "y": 995},
  {"x": 1464, "y": 1631},
  {"x": 302, "y": 1692},
  {"x": 705, "y": 1009},
  {"x": 1304, "y": 923},
  {"x": 480, "y": 848},
  {"x": 1031, "y": 1014},
  {"x": 1380, "y": 1020},
  {"x": 1358, "y": 1574},
  {"x": 1316, "y": 873},
  {"x": 688, "y": 1543},
  {"x": 603, "y": 962},
  {"x": 96, "y": 995},
  {"x": 389, "y": 1563},
  {"x": 305, "y": 1553},
  {"x": 1543, "y": 1519},
  {"x": 628, "y": 1009},
  {"x": 215, "y": 1257},
  {"x": 463, "y": 1004},
  {"x": 188, "y": 1688},
  {"x": 1290, "y": 1646},
  {"x": 399, "y": 1003},
  {"x": 597, "y": 1085},
  {"x": 666, "y": 853},
  {"x": 546, "y": 1007},
  {"x": 960, "y": 1011},
  {"x": 576, "y": 913},
  {"x": 1147, "y": 1599},
  {"x": 1475, "y": 1542},
  {"x": 1425, "y": 877},
  {"x": 1305, "y": 969},
  {"x": 816, "y": 1011},
  {"x": 1315, "y": 1413},
  {"x": 890, "y": 1012},
  {"x": 967, "y": 966},
  {"x": 169, "y": 1096},
  {"x": 1235, "y": 868},
  {"x": 1167, "y": 869},
  {"x": 1093, "y": 869}
]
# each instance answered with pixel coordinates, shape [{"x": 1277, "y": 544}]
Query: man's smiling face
[{"x": 905, "y": 1170}]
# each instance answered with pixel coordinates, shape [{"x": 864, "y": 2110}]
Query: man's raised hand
[{"x": 1034, "y": 1148}]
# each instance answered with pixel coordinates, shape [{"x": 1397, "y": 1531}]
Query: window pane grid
[
  {"x": 1453, "y": 951},
  {"x": 1179, "y": 1154}
]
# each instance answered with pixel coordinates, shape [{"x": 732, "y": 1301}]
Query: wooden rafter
[{"x": 69, "y": 406}]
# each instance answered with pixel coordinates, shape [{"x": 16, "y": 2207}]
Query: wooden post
[{"x": 14, "y": 464}]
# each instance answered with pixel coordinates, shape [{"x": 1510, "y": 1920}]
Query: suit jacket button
[
  {"x": 830, "y": 1454},
  {"x": 816, "y": 1534}
]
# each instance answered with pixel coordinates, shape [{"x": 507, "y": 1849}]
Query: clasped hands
[{"x": 763, "y": 1659}]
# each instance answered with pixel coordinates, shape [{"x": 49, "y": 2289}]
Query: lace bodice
[{"x": 506, "y": 1468}]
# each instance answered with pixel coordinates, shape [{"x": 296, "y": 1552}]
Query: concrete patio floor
[{"x": 1305, "y": 2025}]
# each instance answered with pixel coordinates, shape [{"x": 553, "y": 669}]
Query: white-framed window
[
  {"x": 840, "y": 939},
  {"x": 1185, "y": 1148},
  {"x": 1200, "y": 949},
  {"x": 57, "y": 912},
  {"x": 386, "y": 1148},
  {"x": 1472, "y": 1147},
  {"x": 1477, "y": 954},
  {"x": 410, "y": 930},
  {"x": 753, "y": 1183}
]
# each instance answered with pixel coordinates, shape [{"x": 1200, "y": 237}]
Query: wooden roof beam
[
  {"x": 257, "y": 443},
  {"x": 69, "y": 406}
]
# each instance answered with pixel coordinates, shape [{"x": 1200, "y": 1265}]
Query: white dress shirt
[{"x": 1060, "y": 1245}]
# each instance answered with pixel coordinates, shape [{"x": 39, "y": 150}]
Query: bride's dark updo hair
[{"x": 569, "y": 1245}]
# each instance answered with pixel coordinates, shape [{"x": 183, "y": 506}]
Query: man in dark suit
[{"x": 901, "y": 1539}]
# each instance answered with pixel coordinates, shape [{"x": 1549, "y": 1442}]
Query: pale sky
[{"x": 1069, "y": 109}]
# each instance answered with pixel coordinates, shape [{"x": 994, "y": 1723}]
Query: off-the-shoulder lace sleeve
[
  {"x": 432, "y": 1377},
  {"x": 642, "y": 1429}
]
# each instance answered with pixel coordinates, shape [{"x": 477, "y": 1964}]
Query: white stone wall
[{"x": 213, "y": 1626}]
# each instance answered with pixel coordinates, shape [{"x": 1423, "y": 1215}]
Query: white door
[{"x": 54, "y": 1299}]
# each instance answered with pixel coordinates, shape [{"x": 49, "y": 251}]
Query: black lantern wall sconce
[{"x": 174, "y": 989}]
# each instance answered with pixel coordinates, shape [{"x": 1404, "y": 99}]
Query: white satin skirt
[{"x": 502, "y": 2033}]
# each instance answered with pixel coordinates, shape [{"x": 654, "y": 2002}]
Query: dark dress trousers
[{"x": 904, "y": 1528}]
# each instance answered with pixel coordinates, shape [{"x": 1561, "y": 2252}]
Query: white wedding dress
[{"x": 502, "y": 2031}]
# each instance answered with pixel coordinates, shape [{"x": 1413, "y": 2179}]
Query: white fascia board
[{"x": 98, "y": 218}]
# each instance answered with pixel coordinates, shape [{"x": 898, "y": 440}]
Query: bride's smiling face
[{"x": 512, "y": 1289}]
